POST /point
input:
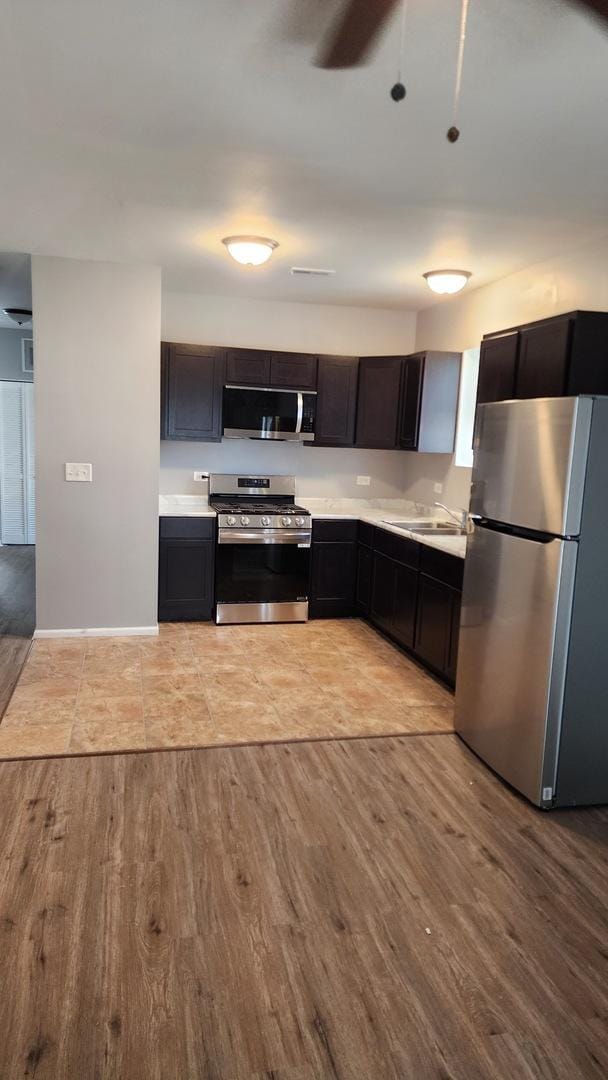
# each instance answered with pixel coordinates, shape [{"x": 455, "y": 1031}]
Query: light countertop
[{"x": 378, "y": 512}]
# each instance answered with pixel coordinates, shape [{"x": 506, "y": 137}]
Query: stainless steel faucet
[{"x": 461, "y": 516}]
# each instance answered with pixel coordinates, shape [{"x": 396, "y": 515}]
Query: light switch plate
[
  {"x": 79, "y": 471},
  {"x": 363, "y": 481},
  {"x": 438, "y": 489}
]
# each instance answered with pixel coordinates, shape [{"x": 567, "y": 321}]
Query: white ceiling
[{"x": 148, "y": 129}]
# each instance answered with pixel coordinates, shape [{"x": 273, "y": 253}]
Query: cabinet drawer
[
  {"x": 248, "y": 367},
  {"x": 397, "y": 547},
  {"x": 334, "y": 530},
  {"x": 365, "y": 534},
  {"x": 443, "y": 567},
  {"x": 294, "y": 370},
  {"x": 187, "y": 528}
]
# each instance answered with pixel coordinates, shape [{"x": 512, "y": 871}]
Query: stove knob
[
  {"x": 244, "y": 520},
  {"x": 286, "y": 521},
  {"x": 231, "y": 520},
  {"x": 265, "y": 521},
  {"x": 299, "y": 521}
]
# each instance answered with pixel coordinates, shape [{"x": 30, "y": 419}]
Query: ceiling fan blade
[
  {"x": 355, "y": 33},
  {"x": 599, "y": 8}
]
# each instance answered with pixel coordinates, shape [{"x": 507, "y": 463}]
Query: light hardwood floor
[
  {"x": 379, "y": 909},
  {"x": 17, "y": 614},
  {"x": 198, "y": 684}
]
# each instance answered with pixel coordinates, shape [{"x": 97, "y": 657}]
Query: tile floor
[{"x": 198, "y": 684}]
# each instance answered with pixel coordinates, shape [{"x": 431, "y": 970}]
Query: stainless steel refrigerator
[{"x": 532, "y": 678}]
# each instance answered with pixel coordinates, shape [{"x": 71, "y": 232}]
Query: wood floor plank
[{"x": 374, "y": 908}]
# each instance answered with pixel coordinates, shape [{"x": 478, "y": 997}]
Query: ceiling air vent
[{"x": 311, "y": 271}]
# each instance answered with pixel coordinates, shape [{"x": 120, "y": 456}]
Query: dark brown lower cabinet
[
  {"x": 437, "y": 620},
  {"x": 363, "y": 591},
  {"x": 333, "y": 568},
  {"x": 404, "y": 619},
  {"x": 186, "y": 569}
]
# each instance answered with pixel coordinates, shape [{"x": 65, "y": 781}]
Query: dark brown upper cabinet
[
  {"x": 411, "y": 397},
  {"x": 336, "y": 401},
  {"x": 378, "y": 402},
  {"x": 566, "y": 354},
  {"x": 192, "y": 377},
  {"x": 544, "y": 355},
  {"x": 294, "y": 370},
  {"x": 497, "y": 368},
  {"x": 248, "y": 367}
]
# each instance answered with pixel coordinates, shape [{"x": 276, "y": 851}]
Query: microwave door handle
[{"x": 300, "y": 413}]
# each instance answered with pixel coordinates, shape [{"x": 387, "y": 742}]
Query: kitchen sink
[{"x": 430, "y": 528}]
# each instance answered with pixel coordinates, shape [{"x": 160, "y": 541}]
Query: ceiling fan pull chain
[
  {"x": 453, "y": 133},
  {"x": 398, "y": 91}
]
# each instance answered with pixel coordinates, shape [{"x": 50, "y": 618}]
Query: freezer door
[
  {"x": 517, "y": 602},
  {"x": 530, "y": 462}
]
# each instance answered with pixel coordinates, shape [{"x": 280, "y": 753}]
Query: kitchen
[{"x": 304, "y": 774}]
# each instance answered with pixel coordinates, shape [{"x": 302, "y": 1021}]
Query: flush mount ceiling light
[
  {"x": 250, "y": 250},
  {"x": 446, "y": 281},
  {"x": 18, "y": 315}
]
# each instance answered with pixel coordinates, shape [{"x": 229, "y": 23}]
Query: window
[{"x": 469, "y": 372}]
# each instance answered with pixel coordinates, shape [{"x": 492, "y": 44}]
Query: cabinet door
[
  {"x": 497, "y": 366},
  {"x": 406, "y": 591},
  {"x": 433, "y": 622},
  {"x": 192, "y": 392},
  {"x": 336, "y": 401},
  {"x": 248, "y": 367},
  {"x": 185, "y": 580},
  {"x": 365, "y": 561},
  {"x": 295, "y": 370},
  {"x": 382, "y": 608},
  {"x": 378, "y": 402},
  {"x": 411, "y": 398},
  {"x": 332, "y": 580},
  {"x": 544, "y": 354},
  {"x": 454, "y": 635}
]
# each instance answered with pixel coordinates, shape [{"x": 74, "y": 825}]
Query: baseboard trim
[{"x": 101, "y": 631}]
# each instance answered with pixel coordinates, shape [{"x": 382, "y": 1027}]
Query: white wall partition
[{"x": 17, "y": 477}]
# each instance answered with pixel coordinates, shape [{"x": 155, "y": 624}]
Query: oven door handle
[
  {"x": 300, "y": 413},
  {"x": 301, "y": 537}
]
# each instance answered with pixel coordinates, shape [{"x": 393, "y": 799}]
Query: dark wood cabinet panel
[
  {"x": 411, "y": 400},
  {"x": 336, "y": 401},
  {"x": 192, "y": 392},
  {"x": 186, "y": 579},
  {"x": 382, "y": 607},
  {"x": 406, "y": 592},
  {"x": 588, "y": 370},
  {"x": 363, "y": 593},
  {"x": 378, "y": 402},
  {"x": 332, "y": 579},
  {"x": 544, "y": 356},
  {"x": 454, "y": 635},
  {"x": 248, "y": 367},
  {"x": 295, "y": 370},
  {"x": 497, "y": 368},
  {"x": 433, "y": 623}
]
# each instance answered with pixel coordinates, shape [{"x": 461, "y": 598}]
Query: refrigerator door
[
  {"x": 530, "y": 462},
  {"x": 517, "y": 600}
]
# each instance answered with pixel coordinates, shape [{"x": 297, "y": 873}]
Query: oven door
[
  {"x": 262, "y": 582},
  {"x": 253, "y": 412}
]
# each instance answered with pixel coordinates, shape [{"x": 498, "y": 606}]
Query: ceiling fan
[{"x": 361, "y": 22}]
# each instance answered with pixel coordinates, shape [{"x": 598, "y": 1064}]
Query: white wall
[
  {"x": 96, "y": 341},
  {"x": 212, "y": 320},
  {"x": 11, "y": 368},
  {"x": 578, "y": 280}
]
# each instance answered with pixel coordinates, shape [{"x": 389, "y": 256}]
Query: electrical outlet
[
  {"x": 200, "y": 476},
  {"x": 363, "y": 481},
  {"x": 78, "y": 470},
  {"x": 438, "y": 489}
]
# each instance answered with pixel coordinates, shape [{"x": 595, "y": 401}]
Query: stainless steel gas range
[{"x": 263, "y": 555}]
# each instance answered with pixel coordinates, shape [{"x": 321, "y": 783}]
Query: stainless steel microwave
[{"x": 259, "y": 412}]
